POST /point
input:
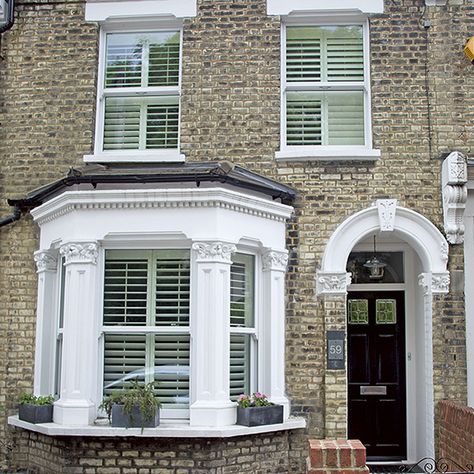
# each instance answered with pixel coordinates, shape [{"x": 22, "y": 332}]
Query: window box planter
[
  {"x": 36, "y": 413},
  {"x": 257, "y": 416},
  {"x": 134, "y": 419}
]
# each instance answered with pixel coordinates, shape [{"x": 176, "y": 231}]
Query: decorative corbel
[{"x": 454, "y": 189}]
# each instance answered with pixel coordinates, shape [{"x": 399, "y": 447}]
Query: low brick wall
[
  {"x": 455, "y": 426},
  {"x": 271, "y": 453},
  {"x": 340, "y": 456}
]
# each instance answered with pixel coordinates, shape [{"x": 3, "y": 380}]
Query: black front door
[{"x": 376, "y": 372}]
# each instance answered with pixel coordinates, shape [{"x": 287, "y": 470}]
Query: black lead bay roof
[{"x": 142, "y": 174}]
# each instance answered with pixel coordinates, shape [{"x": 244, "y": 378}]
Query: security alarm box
[{"x": 469, "y": 49}]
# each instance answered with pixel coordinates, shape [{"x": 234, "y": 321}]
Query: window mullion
[
  {"x": 143, "y": 123},
  {"x": 324, "y": 120},
  {"x": 151, "y": 316}
]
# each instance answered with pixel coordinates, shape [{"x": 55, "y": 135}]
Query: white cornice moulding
[
  {"x": 71, "y": 201},
  {"x": 284, "y": 7},
  {"x": 106, "y": 10}
]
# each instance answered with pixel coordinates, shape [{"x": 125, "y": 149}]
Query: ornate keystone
[{"x": 386, "y": 209}]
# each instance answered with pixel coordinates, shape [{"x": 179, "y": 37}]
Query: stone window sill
[
  {"x": 156, "y": 156},
  {"x": 328, "y": 153},
  {"x": 165, "y": 430}
]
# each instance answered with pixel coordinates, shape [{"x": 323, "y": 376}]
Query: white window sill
[
  {"x": 165, "y": 430},
  {"x": 158, "y": 156},
  {"x": 325, "y": 153}
]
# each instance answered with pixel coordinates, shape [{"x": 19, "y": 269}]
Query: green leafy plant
[
  {"x": 29, "y": 399},
  {"x": 136, "y": 395}
]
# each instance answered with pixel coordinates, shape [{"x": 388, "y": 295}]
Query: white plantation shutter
[
  {"x": 147, "y": 289},
  {"x": 315, "y": 56},
  {"x": 125, "y": 291},
  {"x": 303, "y": 119},
  {"x": 172, "y": 289},
  {"x": 124, "y": 360},
  {"x": 241, "y": 317},
  {"x": 142, "y": 118},
  {"x": 162, "y": 121},
  {"x": 171, "y": 369},
  {"x": 345, "y": 58},
  {"x": 345, "y": 118}
]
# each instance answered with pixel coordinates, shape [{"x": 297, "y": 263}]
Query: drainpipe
[
  {"x": 10, "y": 17},
  {"x": 12, "y": 217}
]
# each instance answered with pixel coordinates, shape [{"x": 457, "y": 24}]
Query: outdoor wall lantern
[{"x": 375, "y": 267}]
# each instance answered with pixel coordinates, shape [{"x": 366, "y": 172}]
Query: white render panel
[
  {"x": 284, "y": 7},
  {"x": 200, "y": 214},
  {"x": 106, "y": 10}
]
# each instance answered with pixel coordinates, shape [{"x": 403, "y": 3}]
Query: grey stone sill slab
[{"x": 165, "y": 430}]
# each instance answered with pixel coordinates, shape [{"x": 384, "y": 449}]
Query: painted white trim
[
  {"x": 324, "y": 153},
  {"x": 71, "y": 201},
  {"x": 107, "y": 10},
  {"x": 283, "y": 7},
  {"x": 410, "y": 226},
  {"x": 134, "y": 156},
  {"x": 327, "y": 152},
  {"x": 165, "y": 430},
  {"x": 469, "y": 292}
]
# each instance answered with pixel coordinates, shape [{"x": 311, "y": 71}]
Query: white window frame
[
  {"x": 171, "y": 414},
  {"x": 152, "y": 155},
  {"x": 327, "y": 152},
  {"x": 252, "y": 331}
]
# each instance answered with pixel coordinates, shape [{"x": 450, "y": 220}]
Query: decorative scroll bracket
[{"x": 454, "y": 189}]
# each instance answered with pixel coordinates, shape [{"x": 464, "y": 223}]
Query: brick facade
[
  {"x": 455, "y": 435},
  {"x": 422, "y": 106}
]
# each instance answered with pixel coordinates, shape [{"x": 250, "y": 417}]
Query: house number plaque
[{"x": 336, "y": 356}]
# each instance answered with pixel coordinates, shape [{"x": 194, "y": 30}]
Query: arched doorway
[{"x": 409, "y": 410}]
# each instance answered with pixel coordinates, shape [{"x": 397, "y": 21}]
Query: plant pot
[
  {"x": 134, "y": 419},
  {"x": 257, "y": 416},
  {"x": 36, "y": 413}
]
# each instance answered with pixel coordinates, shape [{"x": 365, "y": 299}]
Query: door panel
[{"x": 376, "y": 373}]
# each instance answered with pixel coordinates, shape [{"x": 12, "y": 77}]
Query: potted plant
[
  {"x": 133, "y": 407},
  {"x": 36, "y": 409},
  {"x": 257, "y": 410}
]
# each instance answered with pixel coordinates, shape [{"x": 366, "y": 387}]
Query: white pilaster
[
  {"x": 210, "y": 316},
  {"x": 47, "y": 264},
  {"x": 80, "y": 352},
  {"x": 272, "y": 334}
]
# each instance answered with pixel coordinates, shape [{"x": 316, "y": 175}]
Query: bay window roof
[{"x": 119, "y": 174}]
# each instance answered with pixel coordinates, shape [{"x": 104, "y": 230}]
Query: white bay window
[{"x": 153, "y": 290}]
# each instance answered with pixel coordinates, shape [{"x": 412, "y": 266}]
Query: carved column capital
[
  {"x": 46, "y": 261},
  {"x": 275, "y": 260},
  {"x": 80, "y": 252},
  {"x": 214, "y": 251},
  {"x": 435, "y": 283},
  {"x": 328, "y": 283}
]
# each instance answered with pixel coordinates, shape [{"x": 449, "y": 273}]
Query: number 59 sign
[{"x": 335, "y": 350}]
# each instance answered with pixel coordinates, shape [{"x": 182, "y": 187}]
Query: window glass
[
  {"x": 393, "y": 271},
  {"x": 148, "y": 289},
  {"x": 147, "y": 117},
  {"x": 325, "y": 96},
  {"x": 242, "y": 322}
]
